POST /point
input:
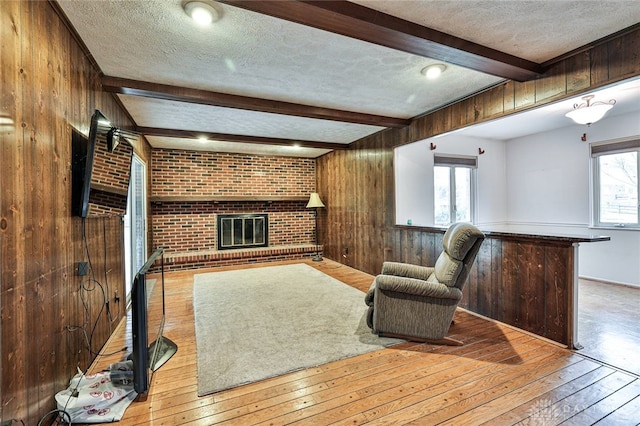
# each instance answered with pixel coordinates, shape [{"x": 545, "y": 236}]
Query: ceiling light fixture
[
  {"x": 588, "y": 112},
  {"x": 201, "y": 12},
  {"x": 433, "y": 71}
]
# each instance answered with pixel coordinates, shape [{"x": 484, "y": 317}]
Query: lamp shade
[
  {"x": 589, "y": 114},
  {"x": 314, "y": 201}
]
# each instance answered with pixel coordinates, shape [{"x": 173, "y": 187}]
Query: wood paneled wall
[
  {"x": 358, "y": 184},
  {"x": 358, "y": 226},
  {"x": 524, "y": 282},
  {"x": 48, "y": 86}
]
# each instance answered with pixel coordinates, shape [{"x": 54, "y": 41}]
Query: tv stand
[{"x": 165, "y": 351}]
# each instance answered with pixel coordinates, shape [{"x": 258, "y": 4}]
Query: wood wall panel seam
[{"x": 53, "y": 86}]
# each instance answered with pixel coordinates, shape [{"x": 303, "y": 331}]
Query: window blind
[
  {"x": 455, "y": 160},
  {"x": 610, "y": 148}
]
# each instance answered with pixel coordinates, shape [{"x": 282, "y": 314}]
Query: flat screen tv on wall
[{"x": 101, "y": 169}]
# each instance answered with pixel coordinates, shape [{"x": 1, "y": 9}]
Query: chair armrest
[
  {"x": 416, "y": 287},
  {"x": 407, "y": 270},
  {"x": 368, "y": 298}
]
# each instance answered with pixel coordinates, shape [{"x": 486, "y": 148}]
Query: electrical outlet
[{"x": 83, "y": 268}]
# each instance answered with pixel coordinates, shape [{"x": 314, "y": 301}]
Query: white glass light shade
[
  {"x": 589, "y": 114},
  {"x": 314, "y": 201}
]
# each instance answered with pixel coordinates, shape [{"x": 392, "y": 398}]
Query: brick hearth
[{"x": 215, "y": 258}]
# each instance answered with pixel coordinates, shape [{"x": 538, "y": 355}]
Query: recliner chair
[{"x": 417, "y": 302}]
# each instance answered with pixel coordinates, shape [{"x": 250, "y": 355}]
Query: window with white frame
[
  {"x": 454, "y": 185},
  {"x": 615, "y": 184}
]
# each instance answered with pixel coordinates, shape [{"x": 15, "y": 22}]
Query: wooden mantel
[
  {"x": 528, "y": 280},
  {"x": 224, "y": 198}
]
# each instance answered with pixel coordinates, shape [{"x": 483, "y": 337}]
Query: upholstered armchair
[{"x": 417, "y": 302}]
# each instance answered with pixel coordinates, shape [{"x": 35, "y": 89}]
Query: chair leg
[{"x": 444, "y": 341}]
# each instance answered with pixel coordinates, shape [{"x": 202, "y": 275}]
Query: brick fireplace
[{"x": 191, "y": 190}]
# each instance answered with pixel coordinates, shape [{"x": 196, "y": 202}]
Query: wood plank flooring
[
  {"x": 609, "y": 324},
  {"x": 500, "y": 376}
]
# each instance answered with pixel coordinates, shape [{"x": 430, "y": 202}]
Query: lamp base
[{"x": 317, "y": 258}]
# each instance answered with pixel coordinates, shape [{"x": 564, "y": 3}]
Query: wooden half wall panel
[{"x": 524, "y": 282}]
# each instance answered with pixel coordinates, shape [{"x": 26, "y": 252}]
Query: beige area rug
[{"x": 257, "y": 323}]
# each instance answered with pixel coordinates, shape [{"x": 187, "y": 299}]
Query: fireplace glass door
[{"x": 242, "y": 231}]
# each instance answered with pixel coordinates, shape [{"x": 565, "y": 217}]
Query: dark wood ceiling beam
[
  {"x": 362, "y": 23},
  {"x": 204, "y": 97},
  {"x": 194, "y": 134}
]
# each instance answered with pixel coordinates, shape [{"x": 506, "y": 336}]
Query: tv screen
[
  {"x": 101, "y": 170},
  {"x": 150, "y": 348}
]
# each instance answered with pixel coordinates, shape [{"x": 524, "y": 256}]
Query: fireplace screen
[{"x": 242, "y": 231}]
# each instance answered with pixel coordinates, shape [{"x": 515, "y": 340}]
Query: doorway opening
[{"x": 135, "y": 223}]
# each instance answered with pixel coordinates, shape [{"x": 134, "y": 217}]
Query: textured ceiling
[
  {"x": 537, "y": 30},
  {"x": 259, "y": 56},
  {"x": 158, "y": 113}
]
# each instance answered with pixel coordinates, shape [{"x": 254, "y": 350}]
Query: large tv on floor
[{"x": 150, "y": 348}]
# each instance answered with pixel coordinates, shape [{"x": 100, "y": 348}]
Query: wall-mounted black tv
[
  {"x": 150, "y": 348},
  {"x": 101, "y": 170}
]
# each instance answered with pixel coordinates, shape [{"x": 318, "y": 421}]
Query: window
[
  {"x": 454, "y": 189},
  {"x": 615, "y": 175}
]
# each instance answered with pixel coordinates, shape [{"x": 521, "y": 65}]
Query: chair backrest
[{"x": 461, "y": 244}]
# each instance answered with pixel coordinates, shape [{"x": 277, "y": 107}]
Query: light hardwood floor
[
  {"x": 609, "y": 323},
  {"x": 501, "y": 376}
]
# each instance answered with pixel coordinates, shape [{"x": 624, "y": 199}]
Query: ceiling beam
[
  {"x": 204, "y": 97},
  {"x": 362, "y": 23},
  {"x": 195, "y": 134}
]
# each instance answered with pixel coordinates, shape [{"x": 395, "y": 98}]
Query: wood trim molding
[
  {"x": 204, "y": 97},
  {"x": 225, "y": 198},
  {"x": 591, "y": 45},
  {"x": 226, "y": 137},
  {"x": 362, "y": 23},
  {"x": 74, "y": 34}
]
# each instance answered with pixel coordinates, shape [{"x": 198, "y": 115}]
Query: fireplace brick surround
[{"x": 190, "y": 188}]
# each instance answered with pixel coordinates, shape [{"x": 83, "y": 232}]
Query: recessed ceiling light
[
  {"x": 433, "y": 71},
  {"x": 201, "y": 12}
]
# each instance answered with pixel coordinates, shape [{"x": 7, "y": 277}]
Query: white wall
[
  {"x": 548, "y": 187},
  {"x": 548, "y": 178},
  {"x": 539, "y": 182},
  {"x": 413, "y": 167}
]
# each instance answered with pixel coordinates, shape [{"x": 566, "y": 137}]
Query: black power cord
[
  {"x": 60, "y": 416},
  {"x": 87, "y": 286}
]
